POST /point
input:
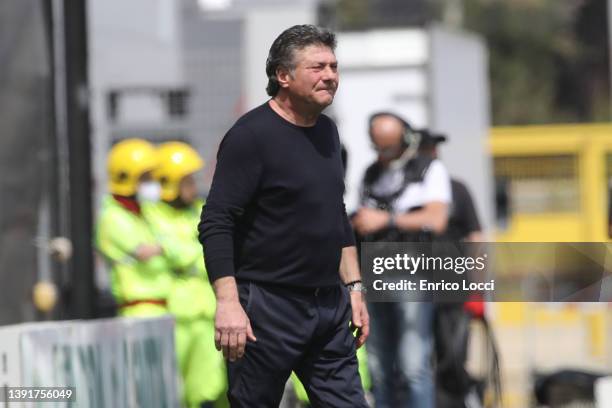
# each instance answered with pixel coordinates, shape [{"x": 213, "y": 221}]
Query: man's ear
[{"x": 282, "y": 76}]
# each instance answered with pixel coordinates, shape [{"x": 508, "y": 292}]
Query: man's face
[
  {"x": 387, "y": 133},
  {"x": 315, "y": 77}
]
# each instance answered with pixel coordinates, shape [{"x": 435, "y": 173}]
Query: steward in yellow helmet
[
  {"x": 191, "y": 299},
  {"x": 140, "y": 276}
]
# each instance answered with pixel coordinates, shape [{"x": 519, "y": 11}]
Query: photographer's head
[{"x": 388, "y": 133}]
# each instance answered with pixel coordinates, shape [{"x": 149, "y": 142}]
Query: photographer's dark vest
[{"x": 414, "y": 172}]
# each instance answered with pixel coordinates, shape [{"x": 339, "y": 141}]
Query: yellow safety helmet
[
  {"x": 176, "y": 160},
  {"x": 127, "y": 161}
]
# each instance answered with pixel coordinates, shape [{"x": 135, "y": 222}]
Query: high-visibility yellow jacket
[
  {"x": 191, "y": 295},
  {"x": 118, "y": 233}
]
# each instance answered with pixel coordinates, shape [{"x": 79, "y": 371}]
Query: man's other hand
[
  {"x": 232, "y": 329},
  {"x": 369, "y": 220},
  {"x": 360, "y": 319}
]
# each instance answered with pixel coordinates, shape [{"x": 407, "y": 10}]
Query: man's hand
[
  {"x": 349, "y": 272},
  {"x": 360, "y": 319},
  {"x": 369, "y": 220},
  {"x": 232, "y": 325},
  {"x": 232, "y": 329}
]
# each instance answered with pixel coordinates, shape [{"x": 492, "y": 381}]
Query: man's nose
[{"x": 329, "y": 74}]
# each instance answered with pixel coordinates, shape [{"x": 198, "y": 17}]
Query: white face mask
[{"x": 149, "y": 191}]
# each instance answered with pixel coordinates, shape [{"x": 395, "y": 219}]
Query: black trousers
[{"x": 306, "y": 331}]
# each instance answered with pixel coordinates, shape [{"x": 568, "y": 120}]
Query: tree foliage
[{"x": 548, "y": 59}]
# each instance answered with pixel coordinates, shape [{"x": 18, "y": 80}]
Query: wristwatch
[{"x": 356, "y": 286}]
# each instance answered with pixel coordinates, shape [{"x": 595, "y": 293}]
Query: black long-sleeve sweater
[{"x": 275, "y": 212}]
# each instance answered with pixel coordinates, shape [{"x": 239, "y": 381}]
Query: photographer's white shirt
[{"x": 435, "y": 186}]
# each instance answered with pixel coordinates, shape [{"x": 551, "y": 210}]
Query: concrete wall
[
  {"x": 459, "y": 107},
  {"x": 131, "y": 44}
]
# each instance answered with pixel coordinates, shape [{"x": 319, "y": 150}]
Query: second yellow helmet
[{"x": 176, "y": 160}]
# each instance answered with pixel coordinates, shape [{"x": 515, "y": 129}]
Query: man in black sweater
[{"x": 279, "y": 249}]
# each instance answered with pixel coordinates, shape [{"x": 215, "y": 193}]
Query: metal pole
[
  {"x": 82, "y": 287},
  {"x": 61, "y": 131}
]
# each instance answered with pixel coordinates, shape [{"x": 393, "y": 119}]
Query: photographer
[{"x": 405, "y": 197}]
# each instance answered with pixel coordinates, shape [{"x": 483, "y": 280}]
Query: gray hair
[{"x": 282, "y": 51}]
